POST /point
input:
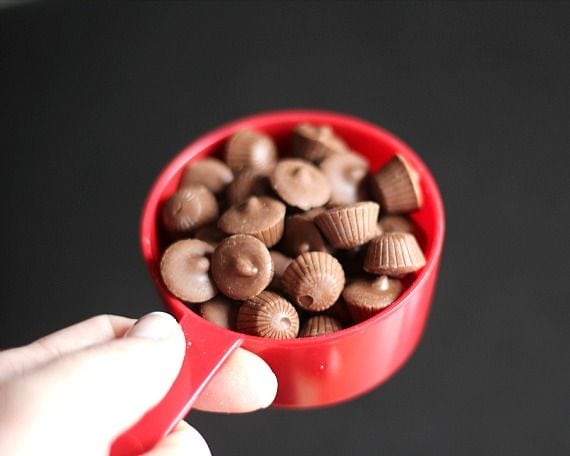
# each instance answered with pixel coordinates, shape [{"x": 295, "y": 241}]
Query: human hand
[{"x": 74, "y": 391}]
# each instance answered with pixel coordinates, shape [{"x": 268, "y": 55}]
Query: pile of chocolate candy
[{"x": 290, "y": 247}]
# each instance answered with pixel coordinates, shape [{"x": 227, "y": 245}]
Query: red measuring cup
[{"x": 311, "y": 372}]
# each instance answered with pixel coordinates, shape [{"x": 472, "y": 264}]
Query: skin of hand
[{"x": 74, "y": 391}]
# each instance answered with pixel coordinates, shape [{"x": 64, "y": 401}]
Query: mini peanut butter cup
[
  {"x": 394, "y": 254},
  {"x": 390, "y": 223},
  {"x": 319, "y": 325},
  {"x": 245, "y": 184},
  {"x": 209, "y": 172},
  {"x": 345, "y": 173},
  {"x": 349, "y": 226},
  {"x": 365, "y": 298},
  {"x": 184, "y": 268},
  {"x": 397, "y": 187},
  {"x": 241, "y": 267},
  {"x": 300, "y": 184},
  {"x": 248, "y": 149},
  {"x": 188, "y": 209},
  {"x": 314, "y": 280},
  {"x": 268, "y": 315},
  {"x": 220, "y": 311},
  {"x": 261, "y": 217},
  {"x": 316, "y": 142},
  {"x": 280, "y": 263},
  {"x": 302, "y": 235}
]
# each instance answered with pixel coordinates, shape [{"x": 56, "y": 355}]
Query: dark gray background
[{"x": 96, "y": 99}]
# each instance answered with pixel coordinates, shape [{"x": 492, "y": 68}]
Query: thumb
[{"x": 96, "y": 393}]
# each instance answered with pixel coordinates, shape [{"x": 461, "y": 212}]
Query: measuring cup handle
[{"x": 206, "y": 351}]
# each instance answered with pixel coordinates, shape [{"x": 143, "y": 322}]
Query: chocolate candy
[
  {"x": 349, "y": 226},
  {"x": 184, "y": 268},
  {"x": 314, "y": 280},
  {"x": 280, "y": 263},
  {"x": 301, "y": 235},
  {"x": 338, "y": 235},
  {"x": 189, "y": 208},
  {"x": 220, "y": 311},
  {"x": 319, "y": 325},
  {"x": 209, "y": 172},
  {"x": 394, "y": 254},
  {"x": 249, "y": 149},
  {"x": 300, "y": 184},
  {"x": 261, "y": 217},
  {"x": 345, "y": 173},
  {"x": 245, "y": 184},
  {"x": 389, "y": 223},
  {"x": 241, "y": 267},
  {"x": 268, "y": 315},
  {"x": 365, "y": 298},
  {"x": 314, "y": 143},
  {"x": 397, "y": 187}
]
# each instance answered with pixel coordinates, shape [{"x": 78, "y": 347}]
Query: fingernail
[{"x": 155, "y": 326}]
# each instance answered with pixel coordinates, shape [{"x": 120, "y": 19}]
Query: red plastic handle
[{"x": 206, "y": 351}]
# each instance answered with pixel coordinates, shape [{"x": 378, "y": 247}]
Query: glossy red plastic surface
[{"x": 311, "y": 372}]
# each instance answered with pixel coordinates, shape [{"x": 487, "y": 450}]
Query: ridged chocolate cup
[
  {"x": 345, "y": 173},
  {"x": 394, "y": 254},
  {"x": 397, "y": 187},
  {"x": 365, "y": 298},
  {"x": 316, "y": 142},
  {"x": 261, "y": 217},
  {"x": 314, "y": 280},
  {"x": 245, "y": 184},
  {"x": 185, "y": 267},
  {"x": 248, "y": 149},
  {"x": 302, "y": 235},
  {"x": 300, "y": 184},
  {"x": 241, "y": 267},
  {"x": 220, "y": 311},
  {"x": 349, "y": 226},
  {"x": 268, "y": 315},
  {"x": 209, "y": 172},
  {"x": 319, "y": 325},
  {"x": 188, "y": 209}
]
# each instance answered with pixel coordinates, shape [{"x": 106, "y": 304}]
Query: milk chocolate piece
[
  {"x": 300, "y": 184},
  {"x": 319, "y": 325},
  {"x": 184, "y": 269},
  {"x": 365, "y": 298},
  {"x": 280, "y": 263},
  {"x": 210, "y": 234},
  {"x": 261, "y": 217},
  {"x": 314, "y": 280},
  {"x": 397, "y": 187},
  {"x": 390, "y": 223},
  {"x": 349, "y": 226},
  {"x": 394, "y": 254},
  {"x": 248, "y": 149},
  {"x": 220, "y": 311},
  {"x": 245, "y": 184},
  {"x": 189, "y": 208},
  {"x": 268, "y": 315},
  {"x": 315, "y": 143},
  {"x": 345, "y": 173},
  {"x": 301, "y": 235},
  {"x": 241, "y": 266},
  {"x": 209, "y": 172}
]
